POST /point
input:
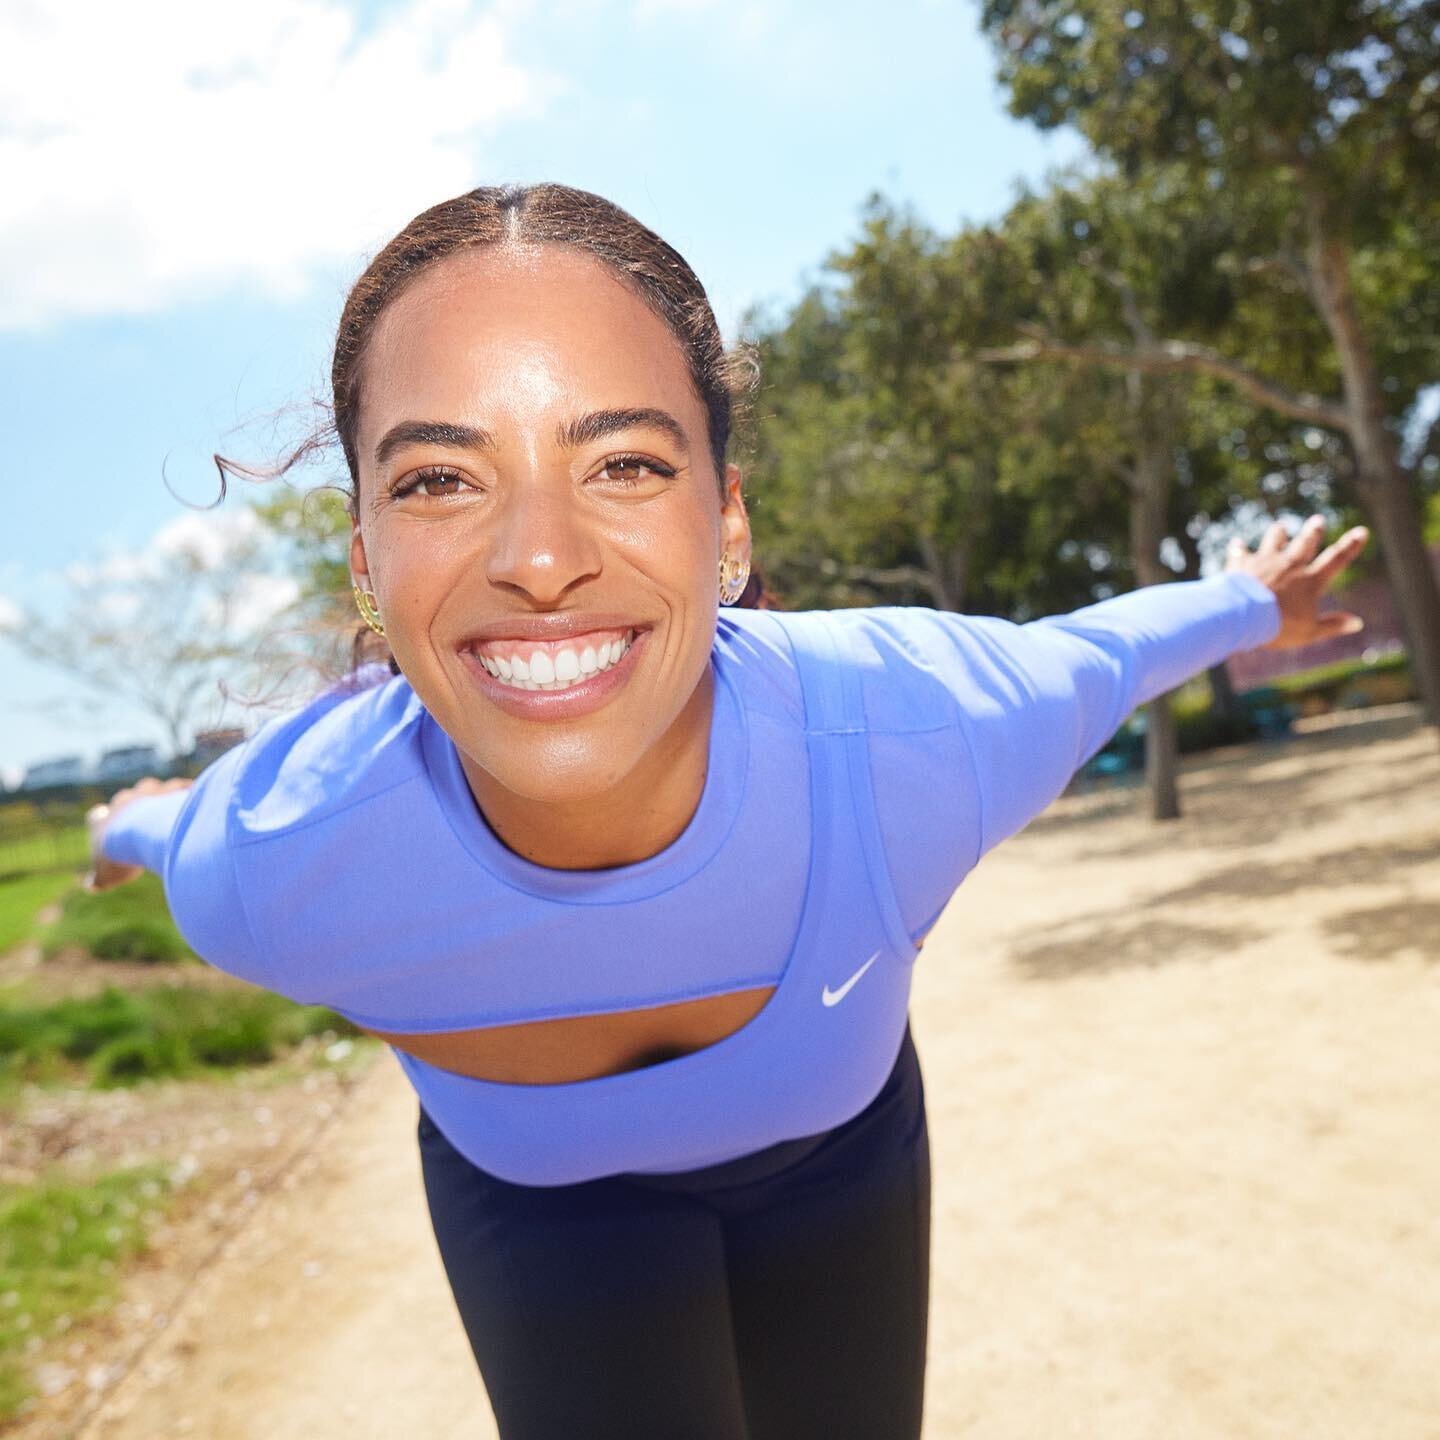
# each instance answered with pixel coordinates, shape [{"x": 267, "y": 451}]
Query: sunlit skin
[{"x": 516, "y": 343}]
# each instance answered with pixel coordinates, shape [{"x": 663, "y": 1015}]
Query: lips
[
  {"x": 558, "y": 625},
  {"x": 541, "y": 685}
]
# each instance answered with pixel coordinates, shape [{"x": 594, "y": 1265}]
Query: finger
[
  {"x": 1235, "y": 551},
  {"x": 1307, "y": 539},
  {"x": 1335, "y": 623},
  {"x": 1274, "y": 539},
  {"x": 1330, "y": 562}
]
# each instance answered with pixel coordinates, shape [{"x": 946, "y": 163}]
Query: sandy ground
[{"x": 1183, "y": 1091}]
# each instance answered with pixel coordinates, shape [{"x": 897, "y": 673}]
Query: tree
[
  {"x": 1318, "y": 126},
  {"x": 309, "y": 534},
  {"x": 883, "y": 460},
  {"x": 171, "y": 629}
]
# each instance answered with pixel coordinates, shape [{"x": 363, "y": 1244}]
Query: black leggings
[{"x": 780, "y": 1296}]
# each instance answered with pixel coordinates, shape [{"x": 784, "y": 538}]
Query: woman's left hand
[{"x": 1299, "y": 577}]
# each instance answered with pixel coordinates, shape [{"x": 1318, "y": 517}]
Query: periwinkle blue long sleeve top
[{"x": 861, "y": 763}]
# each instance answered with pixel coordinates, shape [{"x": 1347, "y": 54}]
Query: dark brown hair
[
  {"x": 549, "y": 214},
  {"x": 545, "y": 215}
]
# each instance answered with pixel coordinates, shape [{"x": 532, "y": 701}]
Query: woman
[{"x": 634, "y": 886}]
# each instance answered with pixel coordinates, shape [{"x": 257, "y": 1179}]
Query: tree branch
[
  {"x": 909, "y": 575},
  {"x": 1172, "y": 355}
]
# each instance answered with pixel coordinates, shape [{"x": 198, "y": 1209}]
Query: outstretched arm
[
  {"x": 145, "y": 831},
  {"x": 178, "y": 829},
  {"x": 1036, "y": 701}
]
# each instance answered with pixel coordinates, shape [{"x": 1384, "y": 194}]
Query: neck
[{"x": 633, "y": 820}]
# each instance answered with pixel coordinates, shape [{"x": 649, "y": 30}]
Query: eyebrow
[{"x": 570, "y": 434}]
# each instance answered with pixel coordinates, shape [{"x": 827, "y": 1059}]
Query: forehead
[{"x": 506, "y": 333}]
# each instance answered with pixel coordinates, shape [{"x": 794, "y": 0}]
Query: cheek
[
  {"x": 682, "y": 542},
  {"x": 411, "y": 572}
]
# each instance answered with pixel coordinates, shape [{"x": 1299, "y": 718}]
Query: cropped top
[{"x": 860, "y": 764}]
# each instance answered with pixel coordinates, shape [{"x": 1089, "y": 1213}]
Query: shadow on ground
[
  {"x": 1379, "y": 932},
  {"x": 1354, "y": 865},
  {"x": 1098, "y": 950}
]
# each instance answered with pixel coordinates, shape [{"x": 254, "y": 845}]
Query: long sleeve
[
  {"x": 183, "y": 836},
  {"x": 1043, "y": 698},
  {"x": 977, "y": 724}
]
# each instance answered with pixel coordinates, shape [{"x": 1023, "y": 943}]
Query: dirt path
[{"x": 1182, "y": 1088}]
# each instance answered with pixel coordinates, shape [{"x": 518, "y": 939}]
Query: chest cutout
[{"x": 584, "y": 1047}]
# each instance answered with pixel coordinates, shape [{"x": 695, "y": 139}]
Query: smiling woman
[{"x": 633, "y": 879}]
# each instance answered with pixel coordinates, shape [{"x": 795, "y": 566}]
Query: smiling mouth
[{"x": 554, "y": 664}]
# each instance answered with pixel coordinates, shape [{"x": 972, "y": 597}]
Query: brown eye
[
  {"x": 432, "y": 483},
  {"x": 628, "y": 470}
]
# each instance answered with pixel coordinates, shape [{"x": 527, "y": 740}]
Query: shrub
[
  {"x": 1350, "y": 682},
  {"x": 121, "y": 1036},
  {"x": 130, "y": 922}
]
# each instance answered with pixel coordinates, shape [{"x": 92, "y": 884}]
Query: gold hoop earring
[
  {"x": 734, "y": 574},
  {"x": 368, "y": 606}
]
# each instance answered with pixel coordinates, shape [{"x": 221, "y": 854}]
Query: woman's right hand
[{"x": 105, "y": 873}]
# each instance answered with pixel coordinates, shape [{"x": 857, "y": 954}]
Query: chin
[{"x": 561, "y": 770}]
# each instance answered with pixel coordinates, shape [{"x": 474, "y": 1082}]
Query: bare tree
[{"x": 170, "y": 629}]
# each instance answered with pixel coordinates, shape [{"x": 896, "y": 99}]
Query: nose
[{"x": 541, "y": 544}]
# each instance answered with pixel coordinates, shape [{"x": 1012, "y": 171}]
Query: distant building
[
  {"x": 62, "y": 770},
  {"x": 129, "y": 762}
]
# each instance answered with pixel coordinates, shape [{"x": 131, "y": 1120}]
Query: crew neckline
[{"x": 726, "y": 771}]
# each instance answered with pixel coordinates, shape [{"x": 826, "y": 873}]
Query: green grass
[
  {"x": 61, "y": 1242},
  {"x": 22, "y": 897},
  {"x": 47, "y": 848},
  {"x": 129, "y": 922},
  {"x": 1339, "y": 671},
  {"x": 122, "y": 1036}
]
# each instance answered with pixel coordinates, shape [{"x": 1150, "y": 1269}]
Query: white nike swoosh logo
[{"x": 834, "y": 997}]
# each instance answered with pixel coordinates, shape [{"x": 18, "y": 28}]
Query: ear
[
  {"x": 734, "y": 522},
  {"x": 359, "y": 566}
]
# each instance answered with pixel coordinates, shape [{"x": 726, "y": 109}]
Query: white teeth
[{"x": 560, "y": 673}]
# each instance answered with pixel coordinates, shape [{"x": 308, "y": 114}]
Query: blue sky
[{"x": 201, "y": 190}]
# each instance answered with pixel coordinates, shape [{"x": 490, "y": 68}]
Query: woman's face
[{"x": 536, "y": 498}]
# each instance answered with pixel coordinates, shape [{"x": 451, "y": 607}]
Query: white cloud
[
  {"x": 250, "y": 603},
  {"x": 167, "y": 150},
  {"x": 10, "y": 614},
  {"x": 230, "y": 546},
  {"x": 213, "y": 537}
]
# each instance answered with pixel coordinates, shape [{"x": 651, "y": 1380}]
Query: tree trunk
[
  {"x": 1386, "y": 490},
  {"x": 1224, "y": 703},
  {"x": 947, "y": 569},
  {"x": 1149, "y": 506},
  {"x": 1223, "y": 699}
]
